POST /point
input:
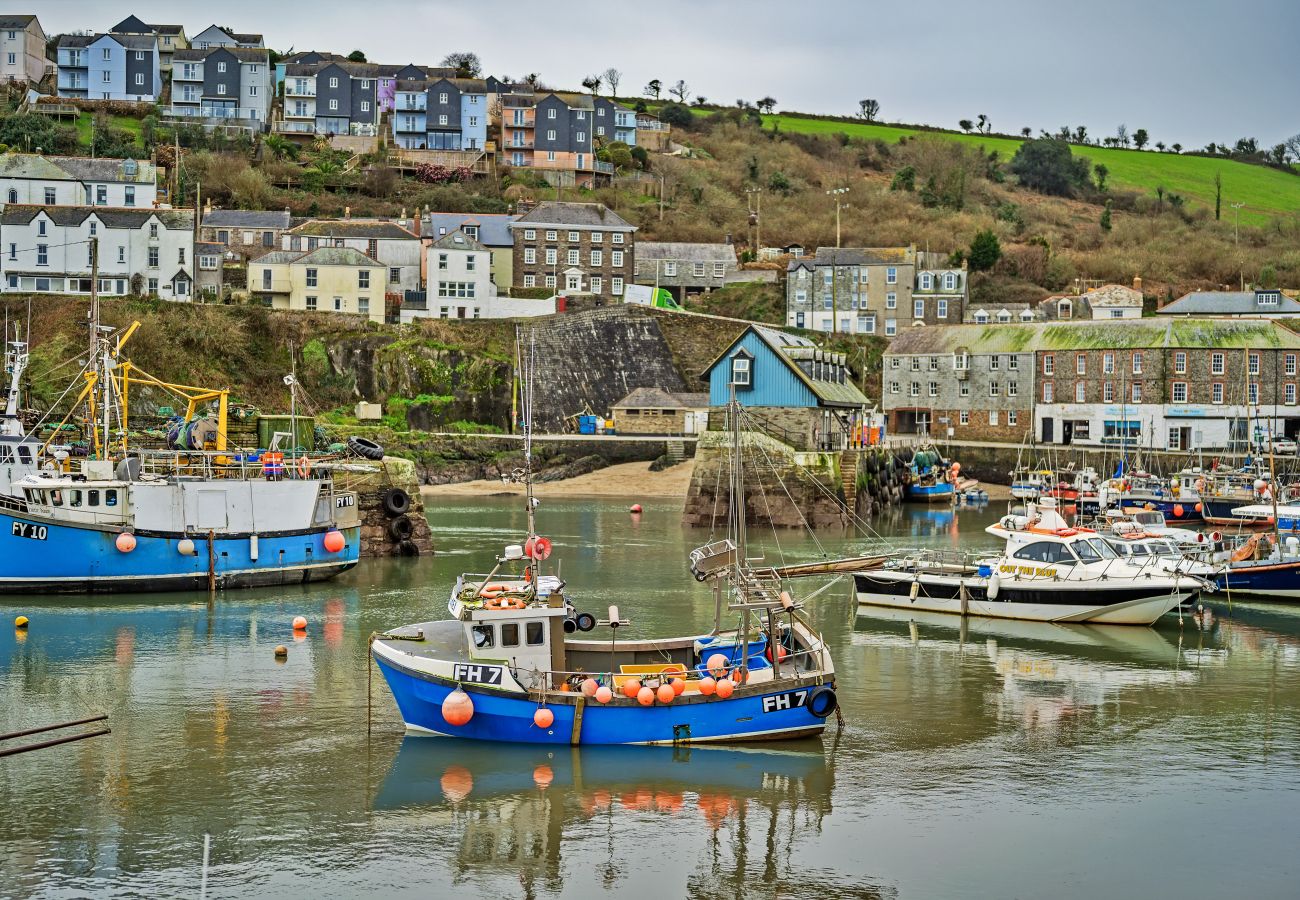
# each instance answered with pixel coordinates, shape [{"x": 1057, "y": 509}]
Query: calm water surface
[{"x": 995, "y": 760}]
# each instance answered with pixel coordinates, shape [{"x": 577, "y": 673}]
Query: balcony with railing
[
  {"x": 644, "y": 124},
  {"x": 260, "y": 284},
  {"x": 245, "y": 113},
  {"x": 604, "y": 168},
  {"x": 408, "y": 123},
  {"x": 307, "y": 126},
  {"x": 299, "y": 89}
]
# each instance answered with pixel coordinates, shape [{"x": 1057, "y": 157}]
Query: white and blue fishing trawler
[
  {"x": 196, "y": 515},
  {"x": 508, "y": 665}
]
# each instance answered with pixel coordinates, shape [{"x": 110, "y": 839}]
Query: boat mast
[
  {"x": 15, "y": 363},
  {"x": 527, "y": 403},
  {"x": 737, "y": 492}
]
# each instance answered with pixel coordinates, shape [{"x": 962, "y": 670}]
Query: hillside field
[{"x": 1266, "y": 192}]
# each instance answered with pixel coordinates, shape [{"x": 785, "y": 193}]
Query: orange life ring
[
  {"x": 504, "y": 603},
  {"x": 493, "y": 591},
  {"x": 304, "y": 467}
]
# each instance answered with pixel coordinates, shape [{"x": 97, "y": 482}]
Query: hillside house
[
  {"x": 327, "y": 279},
  {"x": 1111, "y": 301},
  {"x": 396, "y": 248},
  {"x": 170, "y": 37},
  {"x": 76, "y": 181},
  {"x": 1268, "y": 303},
  {"x": 574, "y": 248},
  {"x": 492, "y": 230},
  {"x": 109, "y": 67},
  {"x": 22, "y": 48},
  {"x": 684, "y": 268},
  {"x": 650, "y": 410},
  {"x": 222, "y": 86}
]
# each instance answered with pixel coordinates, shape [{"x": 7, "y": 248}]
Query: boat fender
[
  {"x": 570, "y": 626},
  {"x": 995, "y": 584},
  {"x": 396, "y": 501},
  {"x": 914, "y": 590},
  {"x": 585, "y": 621},
  {"x": 304, "y": 467},
  {"x": 822, "y": 702},
  {"x": 408, "y": 548},
  {"x": 401, "y": 528}
]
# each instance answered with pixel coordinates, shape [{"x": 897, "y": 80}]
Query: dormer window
[
  {"x": 1268, "y": 298},
  {"x": 927, "y": 281},
  {"x": 1064, "y": 309},
  {"x": 949, "y": 281},
  {"x": 741, "y": 370}
]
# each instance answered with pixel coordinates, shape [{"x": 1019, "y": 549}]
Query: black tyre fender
[
  {"x": 408, "y": 548},
  {"x": 585, "y": 621},
  {"x": 401, "y": 528},
  {"x": 822, "y": 701},
  {"x": 397, "y": 502},
  {"x": 365, "y": 447},
  {"x": 873, "y": 463},
  {"x": 570, "y": 626}
]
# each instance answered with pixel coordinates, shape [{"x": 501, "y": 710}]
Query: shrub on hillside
[
  {"x": 26, "y": 132},
  {"x": 677, "y": 115},
  {"x": 1046, "y": 165}
]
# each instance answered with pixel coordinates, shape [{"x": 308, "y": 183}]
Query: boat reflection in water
[
  {"x": 523, "y": 806},
  {"x": 1045, "y": 672}
]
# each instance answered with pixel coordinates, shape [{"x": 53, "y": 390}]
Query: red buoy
[{"x": 636, "y": 508}]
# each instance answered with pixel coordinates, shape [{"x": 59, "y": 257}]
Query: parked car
[{"x": 1282, "y": 446}]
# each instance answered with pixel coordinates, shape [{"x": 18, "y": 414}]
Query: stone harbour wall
[{"x": 385, "y": 532}]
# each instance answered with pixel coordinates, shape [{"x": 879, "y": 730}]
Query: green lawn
[
  {"x": 1266, "y": 192},
  {"x": 127, "y": 123}
]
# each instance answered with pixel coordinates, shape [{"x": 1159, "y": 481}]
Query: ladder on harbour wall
[
  {"x": 675, "y": 450},
  {"x": 849, "y": 477}
]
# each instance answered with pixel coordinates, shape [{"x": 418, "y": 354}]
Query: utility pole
[
  {"x": 754, "y": 202},
  {"x": 661, "y": 196},
  {"x": 94, "y": 297},
  {"x": 1236, "y": 214},
  {"x": 836, "y": 192}
]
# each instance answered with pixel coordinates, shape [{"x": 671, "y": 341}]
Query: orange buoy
[
  {"x": 299, "y": 623},
  {"x": 589, "y": 686},
  {"x": 678, "y": 685},
  {"x": 738, "y": 676},
  {"x": 334, "y": 540},
  {"x": 636, "y": 508},
  {"x": 543, "y": 776},
  {"x": 725, "y": 688},
  {"x": 604, "y": 694},
  {"x": 665, "y": 694},
  {"x": 708, "y": 686},
  {"x": 645, "y": 696},
  {"x": 1178, "y": 510},
  {"x": 781, "y": 653},
  {"x": 631, "y": 687},
  {"x": 1199, "y": 507},
  {"x": 125, "y": 542},
  {"x": 458, "y": 708},
  {"x": 543, "y": 718},
  {"x": 566, "y": 688},
  {"x": 718, "y": 664},
  {"x": 456, "y": 783}
]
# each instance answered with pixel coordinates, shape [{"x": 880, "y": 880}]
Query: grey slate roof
[
  {"x": 578, "y": 215},
  {"x": 83, "y": 168},
  {"x": 131, "y": 25},
  {"x": 655, "y": 398},
  {"x": 1227, "y": 303},
  {"x": 244, "y": 54},
  {"x": 168, "y": 29},
  {"x": 493, "y": 229},
  {"x": 354, "y": 228},
  {"x": 15, "y": 21},
  {"x": 246, "y": 218},
  {"x": 457, "y": 240},
  {"x": 136, "y": 41},
  {"x": 76, "y": 40},
  {"x": 685, "y": 252},
  {"x": 278, "y": 257},
  {"x": 111, "y": 216},
  {"x": 337, "y": 256}
]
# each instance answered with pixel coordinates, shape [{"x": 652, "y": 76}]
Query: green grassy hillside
[{"x": 1266, "y": 192}]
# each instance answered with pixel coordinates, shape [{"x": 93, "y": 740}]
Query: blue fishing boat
[
  {"x": 931, "y": 479},
  {"x": 504, "y": 667},
  {"x": 197, "y": 514}
]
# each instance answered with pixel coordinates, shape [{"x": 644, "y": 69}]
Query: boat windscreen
[{"x": 1094, "y": 549}]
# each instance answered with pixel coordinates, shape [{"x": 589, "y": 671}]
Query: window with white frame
[
  {"x": 1137, "y": 362},
  {"x": 1081, "y": 364},
  {"x": 530, "y": 234},
  {"x": 894, "y": 387},
  {"x": 572, "y": 257},
  {"x": 1049, "y": 364},
  {"x": 1013, "y": 389},
  {"x": 891, "y": 275},
  {"x": 1216, "y": 392},
  {"x": 964, "y": 417},
  {"x": 914, "y": 390},
  {"x": 618, "y": 237},
  {"x": 1080, "y": 392},
  {"x": 530, "y": 281},
  {"x": 598, "y": 237},
  {"x": 597, "y": 257},
  {"x": 1180, "y": 363},
  {"x": 995, "y": 389},
  {"x": 1216, "y": 363},
  {"x": 993, "y": 417},
  {"x": 530, "y": 255},
  {"x": 949, "y": 281},
  {"x": 1048, "y": 392},
  {"x": 934, "y": 389},
  {"x": 1136, "y": 393},
  {"x": 995, "y": 362},
  {"x": 964, "y": 389},
  {"x": 740, "y": 370},
  {"x": 891, "y": 300},
  {"x": 1288, "y": 393},
  {"x": 552, "y": 235},
  {"x": 616, "y": 286},
  {"x": 927, "y": 281},
  {"x": 1254, "y": 364},
  {"x": 1108, "y": 363},
  {"x": 941, "y": 308},
  {"x": 1179, "y": 393},
  {"x": 918, "y": 309},
  {"x": 891, "y": 327},
  {"x": 597, "y": 284},
  {"x": 1289, "y": 364},
  {"x": 1252, "y": 395},
  {"x": 616, "y": 258},
  {"x": 670, "y": 268},
  {"x": 1108, "y": 392}
]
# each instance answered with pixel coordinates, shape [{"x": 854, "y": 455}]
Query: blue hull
[
  {"x": 37, "y": 556},
  {"x": 1165, "y": 506},
  {"x": 934, "y": 493},
  {"x": 1276, "y": 580},
  {"x": 509, "y": 719}
]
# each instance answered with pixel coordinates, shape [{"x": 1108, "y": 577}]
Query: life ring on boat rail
[
  {"x": 304, "y": 467},
  {"x": 503, "y": 603},
  {"x": 822, "y": 702}
]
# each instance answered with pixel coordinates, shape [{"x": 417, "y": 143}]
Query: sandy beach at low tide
[{"x": 633, "y": 481}]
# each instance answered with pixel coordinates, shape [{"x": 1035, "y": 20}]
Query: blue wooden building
[{"x": 776, "y": 371}]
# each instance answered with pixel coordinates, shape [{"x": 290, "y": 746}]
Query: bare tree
[
  {"x": 1121, "y": 135},
  {"x": 983, "y": 122},
  {"x": 466, "y": 64},
  {"x": 1293, "y": 144},
  {"x": 612, "y": 77},
  {"x": 869, "y": 109},
  {"x": 592, "y": 83},
  {"x": 681, "y": 90}
]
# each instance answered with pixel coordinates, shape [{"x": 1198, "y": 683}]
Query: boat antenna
[{"x": 737, "y": 491}]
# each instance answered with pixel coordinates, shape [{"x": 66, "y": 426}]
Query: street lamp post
[{"x": 835, "y": 192}]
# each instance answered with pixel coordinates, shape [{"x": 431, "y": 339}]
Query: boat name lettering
[
  {"x": 345, "y": 500},
  {"x": 477, "y": 674},
  {"x": 789, "y": 700},
  {"x": 1027, "y": 570},
  {"x": 30, "y": 530}
]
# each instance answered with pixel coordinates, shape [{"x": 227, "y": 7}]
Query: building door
[
  {"x": 1049, "y": 431},
  {"x": 573, "y": 282},
  {"x": 798, "y": 320},
  {"x": 1067, "y": 432}
]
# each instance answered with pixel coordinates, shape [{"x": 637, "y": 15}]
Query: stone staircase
[
  {"x": 849, "y": 477},
  {"x": 675, "y": 450}
]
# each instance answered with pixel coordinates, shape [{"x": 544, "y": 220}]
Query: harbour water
[{"x": 978, "y": 760}]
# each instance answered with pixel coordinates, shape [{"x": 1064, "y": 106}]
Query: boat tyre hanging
[
  {"x": 822, "y": 702},
  {"x": 365, "y": 447},
  {"x": 409, "y": 548},
  {"x": 401, "y": 528},
  {"x": 396, "y": 501},
  {"x": 584, "y": 621}
]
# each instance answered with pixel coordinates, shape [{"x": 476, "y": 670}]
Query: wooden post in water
[
  {"x": 964, "y": 594},
  {"x": 212, "y": 562}
]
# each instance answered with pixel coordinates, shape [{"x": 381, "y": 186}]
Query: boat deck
[{"x": 444, "y": 639}]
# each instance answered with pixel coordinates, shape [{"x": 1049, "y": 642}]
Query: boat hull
[
  {"x": 932, "y": 493},
  {"x": 37, "y": 556},
  {"x": 1218, "y": 511},
  {"x": 1265, "y": 579},
  {"x": 508, "y": 717},
  {"x": 1173, "y": 510},
  {"x": 1036, "y": 603}
]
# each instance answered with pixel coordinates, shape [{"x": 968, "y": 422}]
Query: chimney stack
[
  {"x": 347, "y": 212},
  {"x": 1137, "y": 283}
]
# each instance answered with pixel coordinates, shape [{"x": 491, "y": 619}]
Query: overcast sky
[{"x": 1189, "y": 71}]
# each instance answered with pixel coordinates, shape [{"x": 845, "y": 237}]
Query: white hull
[{"x": 1144, "y": 611}]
